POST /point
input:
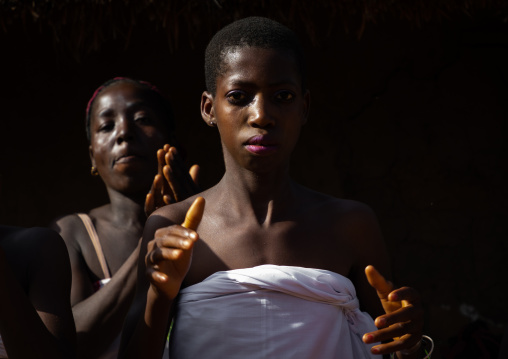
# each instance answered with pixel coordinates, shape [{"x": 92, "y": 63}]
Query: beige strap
[{"x": 96, "y": 243}]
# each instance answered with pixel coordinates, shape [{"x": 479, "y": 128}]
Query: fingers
[
  {"x": 400, "y": 335},
  {"x": 156, "y": 277},
  {"x": 378, "y": 282},
  {"x": 149, "y": 204},
  {"x": 194, "y": 173},
  {"x": 169, "y": 254},
  {"x": 168, "y": 258},
  {"x": 407, "y": 295},
  {"x": 194, "y": 214},
  {"x": 158, "y": 184},
  {"x": 167, "y": 195},
  {"x": 406, "y": 313},
  {"x": 167, "y": 199},
  {"x": 170, "y": 247},
  {"x": 177, "y": 177},
  {"x": 400, "y": 344},
  {"x": 393, "y": 338},
  {"x": 170, "y": 244},
  {"x": 403, "y": 322},
  {"x": 160, "y": 160},
  {"x": 174, "y": 243},
  {"x": 154, "y": 198},
  {"x": 152, "y": 201}
]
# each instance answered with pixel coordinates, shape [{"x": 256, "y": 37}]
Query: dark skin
[
  {"x": 258, "y": 215},
  {"x": 127, "y": 128},
  {"x": 35, "y": 313}
]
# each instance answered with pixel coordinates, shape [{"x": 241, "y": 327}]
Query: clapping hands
[{"x": 173, "y": 183}]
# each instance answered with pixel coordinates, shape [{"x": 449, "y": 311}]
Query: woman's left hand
[{"x": 401, "y": 327}]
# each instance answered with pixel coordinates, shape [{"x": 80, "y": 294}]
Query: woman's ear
[
  {"x": 207, "y": 112},
  {"x": 306, "y": 106}
]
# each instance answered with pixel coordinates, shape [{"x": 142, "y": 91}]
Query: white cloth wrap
[{"x": 270, "y": 311}]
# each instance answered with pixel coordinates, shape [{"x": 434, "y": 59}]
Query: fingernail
[
  {"x": 368, "y": 338},
  {"x": 380, "y": 322},
  {"x": 375, "y": 350}
]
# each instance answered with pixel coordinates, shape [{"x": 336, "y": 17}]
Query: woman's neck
[
  {"x": 267, "y": 196},
  {"x": 126, "y": 210}
]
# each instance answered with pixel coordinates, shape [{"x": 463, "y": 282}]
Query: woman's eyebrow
[
  {"x": 138, "y": 105},
  {"x": 246, "y": 83},
  {"x": 107, "y": 112}
]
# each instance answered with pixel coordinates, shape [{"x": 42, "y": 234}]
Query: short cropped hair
[
  {"x": 250, "y": 32},
  {"x": 159, "y": 97}
]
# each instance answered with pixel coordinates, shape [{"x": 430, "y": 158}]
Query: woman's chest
[
  {"x": 112, "y": 244},
  {"x": 290, "y": 244}
]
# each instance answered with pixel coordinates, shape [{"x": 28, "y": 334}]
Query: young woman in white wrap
[{"x": 273, "y": 269}]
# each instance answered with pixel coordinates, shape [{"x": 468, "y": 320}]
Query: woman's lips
[
  {"x": 260, "y": 145},
  {"x": 127, "y": 159}
]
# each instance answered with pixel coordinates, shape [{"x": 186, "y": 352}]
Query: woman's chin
[{"x": 132, "y": 184}]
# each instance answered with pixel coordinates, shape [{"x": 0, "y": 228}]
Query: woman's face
[
  {"x": 259, "y": 107},
  {"x": 127, "y": 129}
]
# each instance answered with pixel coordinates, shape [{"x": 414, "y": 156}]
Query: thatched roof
[{"x": 85, "y": 24}]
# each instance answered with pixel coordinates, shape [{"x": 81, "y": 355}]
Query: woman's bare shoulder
[
  {"x": 334, "y": 206},
  {"x": 72, "y": 221},
  {"x": 175, "y": 213},
  {"x": 72, "y": 228},
  {"x": 347, "y": 218},
  {"x": 168, "y": 215},
  {"x": 35, "y": 243}
]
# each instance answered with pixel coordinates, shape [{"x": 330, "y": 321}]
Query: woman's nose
[
  {"x": 124, "y": 130},
  {"x": 261, "y": 113}
]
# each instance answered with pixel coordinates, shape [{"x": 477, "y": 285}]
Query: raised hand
[
  {"x": 172, "y": 183},
  {"x": 403, "y": 322},
  {"x": 169, "y": 254}
]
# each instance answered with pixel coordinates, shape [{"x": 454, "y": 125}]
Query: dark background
[{"x": 409, "y": 115}]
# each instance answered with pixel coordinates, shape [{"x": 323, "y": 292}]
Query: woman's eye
[
  {"x": 285, "y": 96},
  {"x": 236, "y": 97},
  {"x": 142, "y": 119},
  {"x": 106, "y": 127}
]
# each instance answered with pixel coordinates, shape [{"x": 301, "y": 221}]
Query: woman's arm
[
  {"x": 160, "y": 276},
  {"x": 141, "y": 338},
  {"x": 35, "y": 313},
  {"x": 99, "y": 315},
  {"x": 398, "y": 312}
]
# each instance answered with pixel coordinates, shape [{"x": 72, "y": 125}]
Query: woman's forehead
[
  {"x": 255, "y": 63},
  {"x": 252, "y": 54},
  {"x": 123, "y": 93},
  {"x": 124, "y": 89}
]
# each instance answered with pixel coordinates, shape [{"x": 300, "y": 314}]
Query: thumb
[
  {"x": 194, "y": 173},
  {"x": 378, "y": 282},
  {"x": 194, "y": 214}
]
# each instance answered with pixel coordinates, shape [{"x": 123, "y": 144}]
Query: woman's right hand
[
  {"x": 172, "y": 183},
  {"x": 169, "y": 254}
]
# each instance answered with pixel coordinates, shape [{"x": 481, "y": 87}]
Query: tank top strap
[{"x": 92, "y": 233}]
